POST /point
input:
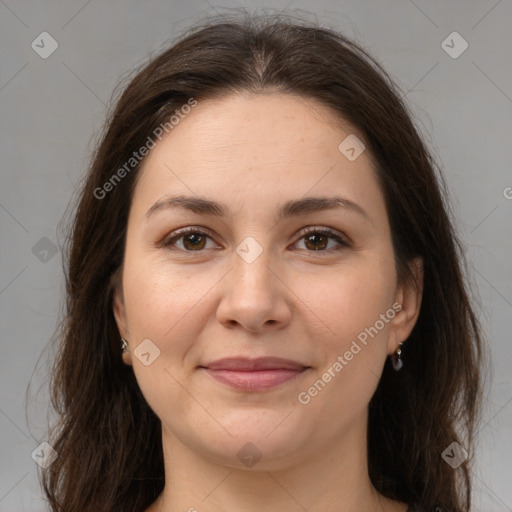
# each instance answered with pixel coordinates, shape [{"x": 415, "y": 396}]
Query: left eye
[
  {"x": 318, "y": 239},
  {"x": 315, "y": 239}
]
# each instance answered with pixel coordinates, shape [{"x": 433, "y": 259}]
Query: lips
[
  {"x": 243, "y": 364},
  {"x": 254, "y": 374}
]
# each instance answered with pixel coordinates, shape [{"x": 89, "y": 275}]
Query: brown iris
[
  {"x": 195, "y": 239},
  {"x": 315, "y": 238}
]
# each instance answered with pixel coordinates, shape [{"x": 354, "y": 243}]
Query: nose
[{"x": 254, "y": 296}]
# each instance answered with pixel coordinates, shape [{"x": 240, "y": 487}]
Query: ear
[
  {"x": 119, "y": 310},
  {"x": 409, "y": 296}
]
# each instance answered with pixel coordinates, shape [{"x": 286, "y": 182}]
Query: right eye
[{"x": 193, "y": 240}]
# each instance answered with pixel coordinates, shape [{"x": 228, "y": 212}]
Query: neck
[{"x": 334, "y": 478}]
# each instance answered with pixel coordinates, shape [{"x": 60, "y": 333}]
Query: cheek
[
  {"x": 162, "y": 302},
  {"x": 167, "y": 307},
  {"x": 355, "y": 309},
  {"x": 353, "y": 349},
  {"x": 345, "y": 301}
]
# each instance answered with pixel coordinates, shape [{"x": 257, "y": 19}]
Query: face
[{"x": 316, "y": 286}]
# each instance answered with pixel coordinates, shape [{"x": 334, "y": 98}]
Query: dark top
[{"x": 416, "y": 507}]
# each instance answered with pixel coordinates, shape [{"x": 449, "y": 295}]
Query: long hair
[{"x": 107, "y": 438}]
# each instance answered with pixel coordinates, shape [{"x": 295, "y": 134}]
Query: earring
[
  {"x": 124, "y": 345},
  {"x": 396, "y": 359}
]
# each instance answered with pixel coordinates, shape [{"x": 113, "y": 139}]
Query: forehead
[
  {"x": 249, "y": 145},
  {"x": 260, "y": 122}
]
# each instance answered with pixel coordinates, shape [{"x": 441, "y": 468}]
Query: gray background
[{"x": 51, "y": 110}]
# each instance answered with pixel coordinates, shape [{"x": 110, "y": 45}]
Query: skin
[{"x": 200, "y": 301}]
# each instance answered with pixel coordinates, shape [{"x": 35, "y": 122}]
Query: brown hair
[{"x": 107, "y": 437}]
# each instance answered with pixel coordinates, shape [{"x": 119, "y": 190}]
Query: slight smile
[{"x": 254, "y": 374}]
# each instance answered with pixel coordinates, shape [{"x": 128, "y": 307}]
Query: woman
[{"x": 266, "y": 305}]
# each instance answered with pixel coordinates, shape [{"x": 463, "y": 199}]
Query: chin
[{"x": 267, "y": 443}]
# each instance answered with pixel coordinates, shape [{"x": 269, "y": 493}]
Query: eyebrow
[{"x": 293, "y": 208}]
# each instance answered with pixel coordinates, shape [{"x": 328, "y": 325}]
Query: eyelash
[{"x": 168, "y": 242}]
